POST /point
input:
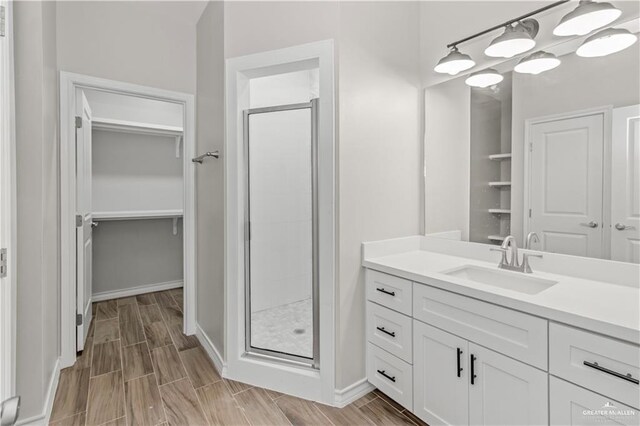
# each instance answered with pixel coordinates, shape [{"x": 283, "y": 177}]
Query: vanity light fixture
[
  {"x": 484, "y": 78},
  {"x": 454, "y": 62},
  {"x": 537, "y": 62},
  {"x": 606, "y": 42},
  {"x": 516, "y": 39},
  {"x": 588, "y": 16}
]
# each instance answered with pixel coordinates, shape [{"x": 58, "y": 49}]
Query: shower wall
[{"x": 281, "y": 262}]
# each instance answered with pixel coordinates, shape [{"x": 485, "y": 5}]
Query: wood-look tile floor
[{"x": 138, "y": 368}]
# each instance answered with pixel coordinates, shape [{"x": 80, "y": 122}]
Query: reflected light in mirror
[
  {"x": 606, "y": 42},
  {"x": 484, "y": 78},
  {"x": 588, "y": 16},
  {"x": 537, "y": 62},
  {"x": 454, "y": 63}
]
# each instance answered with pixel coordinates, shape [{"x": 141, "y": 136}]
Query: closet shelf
[
  {"x": 500, "y": 157},
  {"x": 500, "y": 184},
  {"x": 139, "y": 214},
  {"x": 500, "y": 211},
  {"x": 135, "y": 127}
]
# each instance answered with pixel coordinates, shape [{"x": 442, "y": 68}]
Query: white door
[
  {"x": 572, "y": 405},
  {"x": 565, "y": 184},
  {"x": 503, "y": 391},
  {"x": 83, "y": 217},
  {"x": 441, "y": 377},
  {"x": 625, "y": 185}
]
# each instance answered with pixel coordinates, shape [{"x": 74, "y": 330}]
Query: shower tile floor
[{"x": 286, "y": 328}]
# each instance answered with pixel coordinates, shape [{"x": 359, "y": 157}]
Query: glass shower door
[{"x": 281, "y": 276}]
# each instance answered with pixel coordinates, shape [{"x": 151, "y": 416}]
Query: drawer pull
[
  {"x": 627, "y": 377},
  {"x": 393, "y": 379},
  {"x": 382, "y": 290},
  {"x": 458, "y": 362},
  {"x": 473, "y": 369},
  {"x": 390, "y": 333}
]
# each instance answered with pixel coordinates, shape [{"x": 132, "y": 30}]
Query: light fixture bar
[{"x": 504, "y": 24}]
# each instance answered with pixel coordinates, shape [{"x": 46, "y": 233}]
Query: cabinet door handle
[
  {"x": 458, "y": 361},
  {"x": 390, "y": 333},
  {"x": 473, "y": 369},
  {"x": 627, "y": 377},
  {"x": 382, "y": 290},
  {"x": 393, "y": 379}
]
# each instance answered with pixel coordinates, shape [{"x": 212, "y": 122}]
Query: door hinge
[
  {"x": 78, "y": 122},
  {"x": 529, "y": 212},
  {"x": 530, "y": 146},
  {"x": 78, "y": 220},
  {"x": 78, "y": 319},
  {"x": 3, "y": 21},
  {"x": 3, "y": 263}
]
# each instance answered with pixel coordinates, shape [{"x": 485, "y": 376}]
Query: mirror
[{"x": 557, "y": 153}]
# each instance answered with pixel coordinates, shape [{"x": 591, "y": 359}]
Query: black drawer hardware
[
  {"x": 473, "y": 369},
  {"x": 390, "y": 333},
  {"x": 458, "y": 361},
  {"x": 390, "y": 293},
  {"x": 627, "y": 377},
  {"x": 393, "y": 379}
]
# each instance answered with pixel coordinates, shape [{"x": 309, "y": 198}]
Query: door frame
[
  {"x": 69, "y": 82},
  {"x": 606, "y": 112},
  {"x": 272, "y": 373},
  {"x": 8, "y": 190}
]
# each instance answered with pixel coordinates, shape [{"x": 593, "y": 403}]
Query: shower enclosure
[{"x": 281, "y": 232}]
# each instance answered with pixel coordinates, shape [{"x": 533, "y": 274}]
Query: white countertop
[{"x": 602, "y": 307}]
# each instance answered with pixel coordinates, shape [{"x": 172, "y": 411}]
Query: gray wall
[
  {"x": 150, "y": 43},
  {"x": 132, "y": 253},
  {"x": 379, "y": 150},
  {"x": 37, "y": 275},
  {"x": 210, "y": 174}
]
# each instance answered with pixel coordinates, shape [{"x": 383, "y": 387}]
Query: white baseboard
[
  {"x": 43, "y": 418},
  {"x": 212, "y": 351},
  {"x": 133, "y": 291},
  {"x": 346, "y": 396}
]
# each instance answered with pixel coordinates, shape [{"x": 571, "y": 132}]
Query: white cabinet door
[
  {"x": 565, "y": 185},
  {"x": 440, "y": 376},
  {"x": 572, "y": 405},
  {"x": 503, "y": 391},
  {"x": 625, "y": 181}
]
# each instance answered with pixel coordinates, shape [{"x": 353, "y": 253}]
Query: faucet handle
[
  {"x": 526, "y": 268},
  {"x": 503, "y": 261}
]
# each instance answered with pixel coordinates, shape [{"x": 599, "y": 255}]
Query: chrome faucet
[
  {"x": 531, "y": 237},
  {"x": 513, "y": 264}
]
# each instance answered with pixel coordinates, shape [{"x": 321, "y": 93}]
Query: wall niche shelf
[
  {"x": 500, "y": 184},
  {"x": 500, "y": 211},
  {"x": 496, "y": 238},
  {"x": 500, "y": 157}
]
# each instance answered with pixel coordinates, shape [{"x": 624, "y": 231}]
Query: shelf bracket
[
  {"x": 175, "y": 225},
  {"x": 178, "y": 142}
]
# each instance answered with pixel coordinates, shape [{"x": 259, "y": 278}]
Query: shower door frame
[{"x": 313, "y": 362}]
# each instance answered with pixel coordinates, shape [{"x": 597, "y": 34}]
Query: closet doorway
[{"x": 127, "y": 198}]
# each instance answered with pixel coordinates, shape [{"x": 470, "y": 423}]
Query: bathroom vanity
[{"x": 458, "y": 341}]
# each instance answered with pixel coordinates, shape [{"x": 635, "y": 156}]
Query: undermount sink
[{"x": 515, "y": 281}]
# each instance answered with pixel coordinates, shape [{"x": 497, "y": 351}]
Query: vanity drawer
[
  {"x": 595, "y": 362},
  {"x": 389, "y": 330},
  {"x": 571, "y": 405},
  {"x": 389, "y": 291},
  {"x": 391, "y": 375},
  {"x": 518, "y": 335}
]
